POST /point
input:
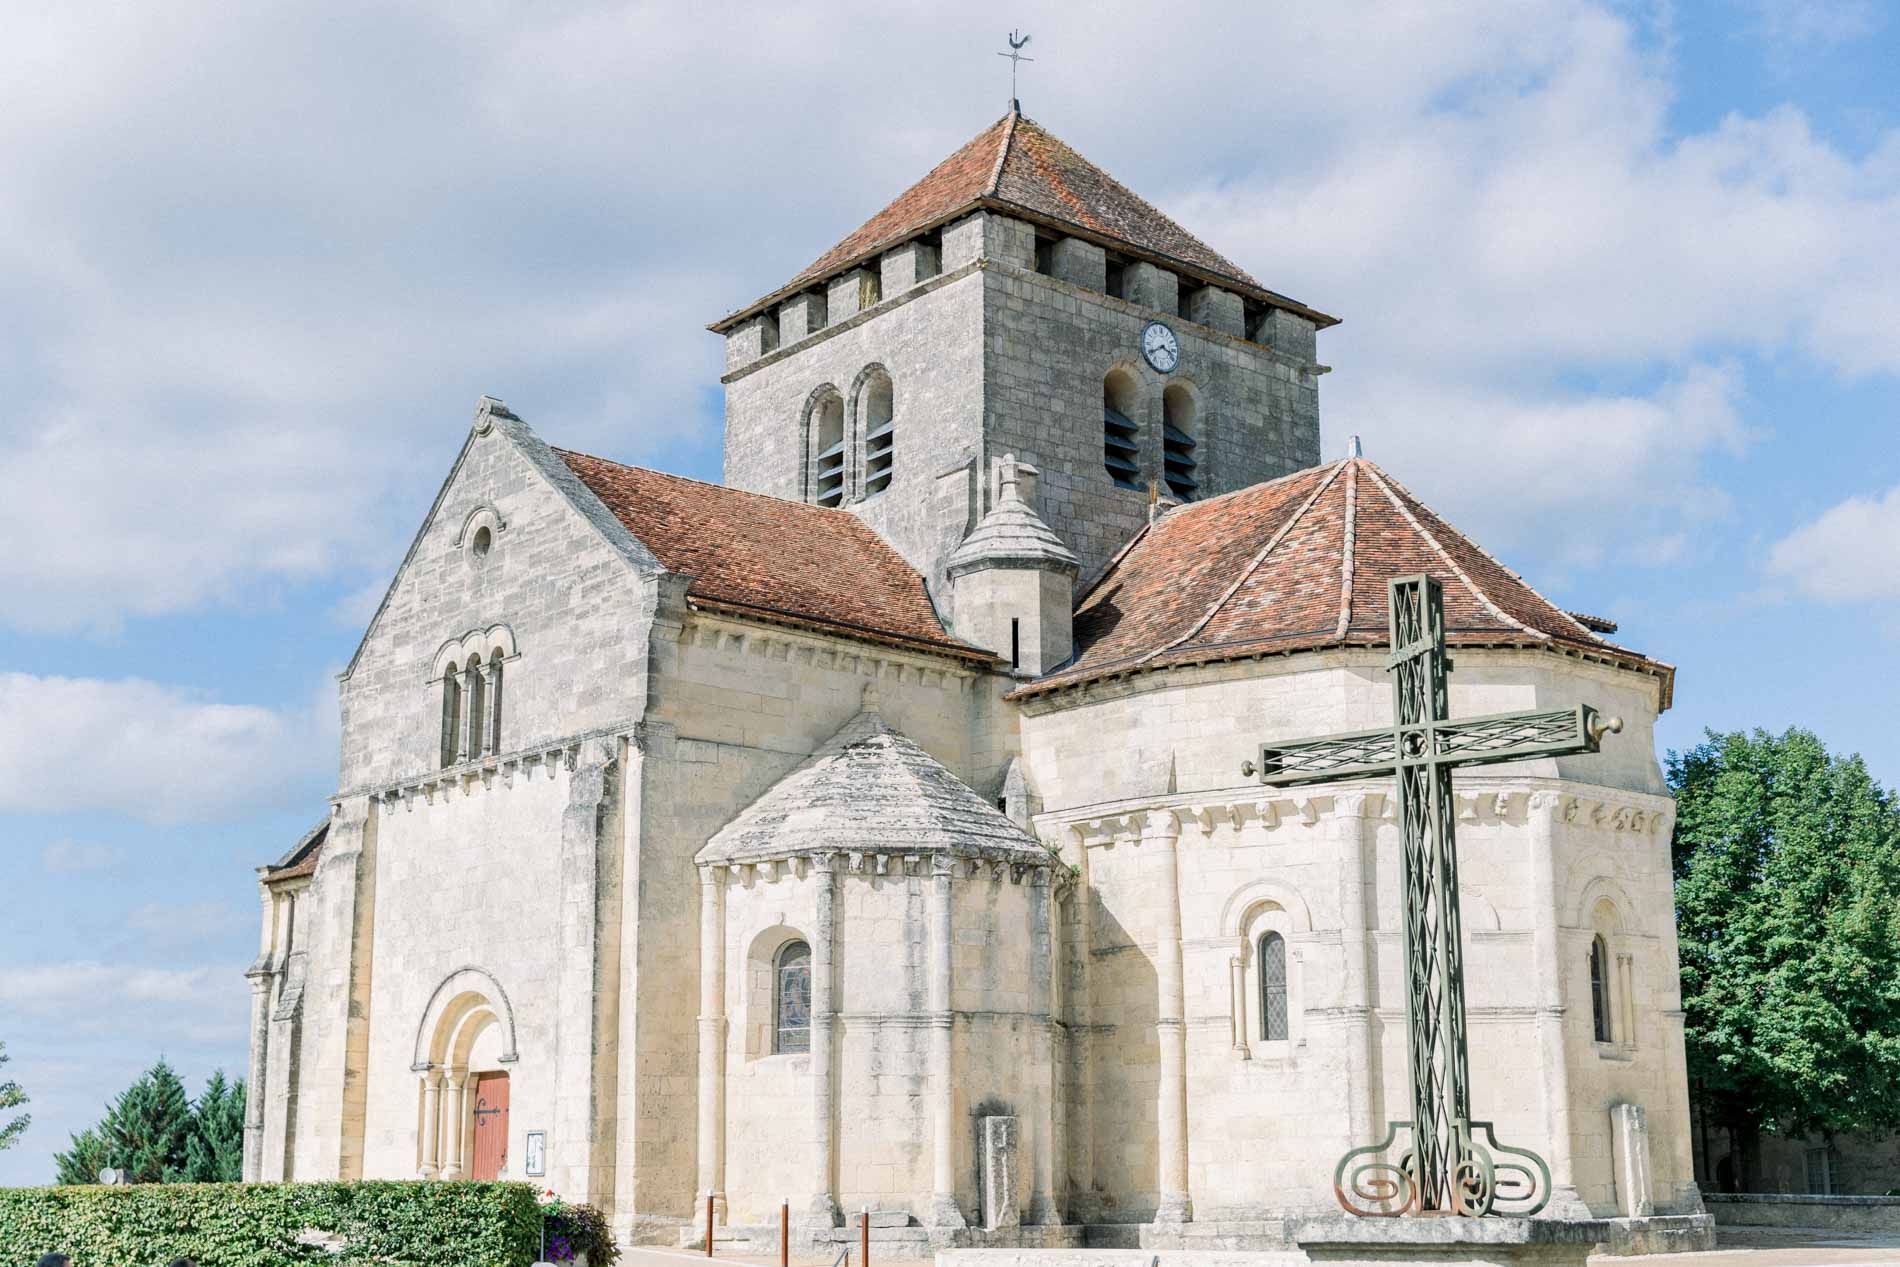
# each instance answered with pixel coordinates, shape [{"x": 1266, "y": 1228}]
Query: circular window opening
[{"x": 484, "y": 540}]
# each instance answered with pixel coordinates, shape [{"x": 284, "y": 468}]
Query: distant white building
[{"x": 761, "y": 841}]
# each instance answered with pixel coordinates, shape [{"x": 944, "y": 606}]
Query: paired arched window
[
  {"x": 1180, "y": 427},
  {"x": 1121, "y": 435},
  {"x": 1272, "y": 959},
  {"x": 1600, "y": 989},
  {"x": 876, "y": 409},
  {"x": 791, "y": 998},
  {"x": 471, "y": 708},
  {"x": 828, "y": 451}
]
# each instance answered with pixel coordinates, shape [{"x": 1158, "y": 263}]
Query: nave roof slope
[{"x": 767, "y": 556}]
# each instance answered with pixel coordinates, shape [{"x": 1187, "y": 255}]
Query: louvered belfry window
[
  {"x": 1121, "y": 437},
  {"x": 791, "y": 1003},
  {"x": 828, "y": 453},
  {"x": 1178, "y": 425},
  {"x": 880, "y": 435},
  {"x": 1273, "y": 1015}
]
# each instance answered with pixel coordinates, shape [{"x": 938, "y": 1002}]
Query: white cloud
[
  {"x": 1849, "y": 553},
  {"x": 348, "y": 226},
  {"x": 72, "y": 857},
  {"x": 94, "y": 999},
  {"x": 140, "y": 748}
]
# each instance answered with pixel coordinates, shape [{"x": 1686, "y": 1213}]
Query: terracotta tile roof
[
  {"x": 765, "y": 556},
  {"x": 303, "y": 856},
  {"x": 1301, "y": 563},
  {"x": 1017, "y": 166}
]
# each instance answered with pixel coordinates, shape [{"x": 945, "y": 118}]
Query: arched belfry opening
[
  {"x": 1121, "y": 434},
  {"x": 828, "y": 450},
  {"x": 1180, "y": 436},
  {"x": 880, "y": 432}
]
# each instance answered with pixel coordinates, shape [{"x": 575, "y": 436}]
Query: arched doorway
[{"x": 464, "y": 1044}]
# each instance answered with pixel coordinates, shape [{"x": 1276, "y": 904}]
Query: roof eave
[
  {"x": 842, "y": 628},
  {"x": 988, "y": 202}
]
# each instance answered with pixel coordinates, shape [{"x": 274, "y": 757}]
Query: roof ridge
[
  {"x": 1002, "y": 151},
  {"x": 1346, "y": 551},
  {"x": 1512, "y": 572},
  {"x": 1253, "y": 565},
  {"x": 1445, "y": 554}
]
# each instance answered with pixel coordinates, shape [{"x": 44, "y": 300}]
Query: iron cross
[{"x": 1445, "y": 1170}]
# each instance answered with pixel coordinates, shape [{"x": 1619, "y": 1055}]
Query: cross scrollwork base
[{"x": 1487, "y": 1178}]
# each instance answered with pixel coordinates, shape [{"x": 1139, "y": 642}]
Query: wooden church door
[{"x": 489, "y": 1156}]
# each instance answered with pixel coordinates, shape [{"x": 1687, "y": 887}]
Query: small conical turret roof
[{"x": 1012, "y": 534}]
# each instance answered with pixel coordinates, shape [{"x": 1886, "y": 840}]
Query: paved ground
[{"x": 1748, "y": 1248}]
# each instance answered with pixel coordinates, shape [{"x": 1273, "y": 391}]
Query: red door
[{"x": 489, "y": 1156}]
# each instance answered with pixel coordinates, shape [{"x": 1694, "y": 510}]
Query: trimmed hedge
[{"x": 258, "y": 1224}]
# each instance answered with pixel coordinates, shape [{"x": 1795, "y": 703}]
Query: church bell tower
[{"x": 1017, "y": 300}]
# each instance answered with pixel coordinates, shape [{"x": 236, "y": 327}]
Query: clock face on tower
[{"x": 1161, "y": 347}]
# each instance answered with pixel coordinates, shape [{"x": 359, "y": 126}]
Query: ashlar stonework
[{"x": 869, "y": 832}]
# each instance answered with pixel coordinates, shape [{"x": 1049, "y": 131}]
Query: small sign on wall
[{"x": 537, "y": 1153}]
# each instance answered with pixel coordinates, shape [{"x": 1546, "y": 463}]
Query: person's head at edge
[{"x": 54, "y": 1260}]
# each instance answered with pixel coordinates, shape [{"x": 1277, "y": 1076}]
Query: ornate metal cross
[{"x": 1446, "y": 1170}]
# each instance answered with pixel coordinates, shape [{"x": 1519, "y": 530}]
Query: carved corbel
[{"x": 1269, "y": 813}]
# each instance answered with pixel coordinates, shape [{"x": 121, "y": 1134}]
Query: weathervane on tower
[{"x": 1015, "y": 54}]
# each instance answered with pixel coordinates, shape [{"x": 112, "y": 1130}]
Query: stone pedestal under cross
[{"x": 1445, "y": 1169}]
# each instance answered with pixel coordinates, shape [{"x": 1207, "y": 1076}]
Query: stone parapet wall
[{"x": 1845, "y": 1214}]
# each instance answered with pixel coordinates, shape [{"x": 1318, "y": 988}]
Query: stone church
[{"x": 869, "y": 831}]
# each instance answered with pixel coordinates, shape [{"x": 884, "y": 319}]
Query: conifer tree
[
  {"x": 149, "y": 1127},
  {"x": 84, "y": 1159},
  {"x": 1787, "y": 866},
  {"x": 215, "y": 1152}
]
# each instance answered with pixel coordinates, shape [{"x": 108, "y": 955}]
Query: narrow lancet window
[
  {"x": 791, "y": 999},
  {"x": 1272, "y": 987},
  {"x": 1121, "y": 444},
  {"x": 1600, "y": 989},
  {"x": 451, "y": 715},
  {"x": 1178, "y": 431}
]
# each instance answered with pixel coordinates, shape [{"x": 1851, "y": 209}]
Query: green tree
[
  {"x": 215, "y": 1151},
  {"x": 11, "y": 1097},
  {"x": 149, "y": 1127},
  {"x": 1787, "y": 868},
  {"x": 82, "y": 1162}
]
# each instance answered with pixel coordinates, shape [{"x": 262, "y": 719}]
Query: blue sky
[{"x": 1620, "y": 288}]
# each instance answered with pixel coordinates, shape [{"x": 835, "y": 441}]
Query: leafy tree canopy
[
  {"x": 11, "y": 1097},
  {"x": 1787, "y": 868}
]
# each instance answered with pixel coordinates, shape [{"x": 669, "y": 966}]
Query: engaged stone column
[
  {"x": 712, "y": 1042},
  {"x": 1237, "y": 1004},
  {"x": 824, "y": 1163},
  {"x": 943, "y": 1198},
  {"x": 1355, "y": 817},
  {"x": 431, "y": 1123},
  {"x": 1042, "y": 1204},
  {"x": 1084, "y": 1205},
  {"x": 260, "y": 978},
  {"x": 1546, "y": 956},
  {"x": 1159, "y": 832},
  {"x": 456, "y": 1080},
  {"x": 485, "y": 733}
]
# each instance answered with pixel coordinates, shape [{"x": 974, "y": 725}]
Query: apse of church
[{"x": 871, "y": 830}]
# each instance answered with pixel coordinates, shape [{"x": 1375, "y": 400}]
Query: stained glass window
[
  {"x": 792, "y": 998},
  {"x": 1272, "y": 987}
]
